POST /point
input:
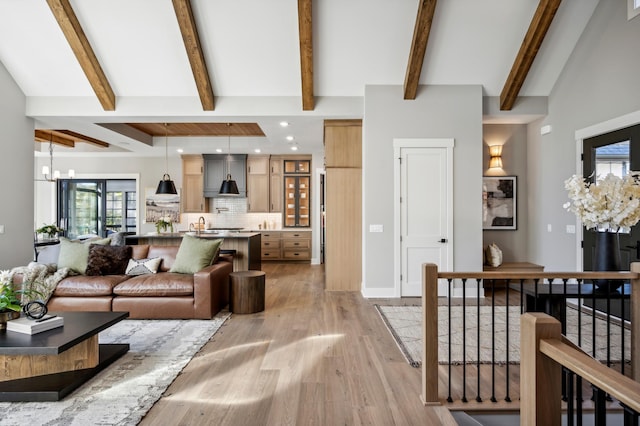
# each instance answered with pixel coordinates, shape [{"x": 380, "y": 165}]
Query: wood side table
[{"x": 246, "y": 292}]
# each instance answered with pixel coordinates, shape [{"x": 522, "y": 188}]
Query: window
[
  {"x": 633, "y": 9},
  {"x": 88, "y": 207}
]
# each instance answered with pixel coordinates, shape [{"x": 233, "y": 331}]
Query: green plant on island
[{"x": 50, "y": 230}]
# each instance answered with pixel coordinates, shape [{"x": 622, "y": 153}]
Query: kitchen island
[{"x": 246, "y": 245}]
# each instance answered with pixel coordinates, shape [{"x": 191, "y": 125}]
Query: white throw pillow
[{"x": 143, "y": 266}]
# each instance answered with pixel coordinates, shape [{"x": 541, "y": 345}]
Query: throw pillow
[
  {"x": 143, "y": 266},
  {"x": 195, "y": 254},
  {"x": 107, "y": 260},
  {"x": 74, "y": 254}
]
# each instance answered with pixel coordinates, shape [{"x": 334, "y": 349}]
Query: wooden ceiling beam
[
  {"x": 189, "y": 31},
  {"x": 528, "y": 50},
  {"x": 78, "y": 137},
  {"x": 49, "y": 136},
  {"x": 424, "y": 19},
  {"x": 305, "y": 29},
  {"x": 77, "y": 39}
]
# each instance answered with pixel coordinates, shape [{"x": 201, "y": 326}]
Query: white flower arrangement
[
  {"x": 163, "y": 224},
  {"x": 610, "y": 205}
]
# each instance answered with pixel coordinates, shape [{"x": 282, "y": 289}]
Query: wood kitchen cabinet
[
  {"x": 286, "y": 245},
  {"x": 275, "y": 184},
  {"x": 215, "y": 171},
  {"x": 193, "y": 200},
  {"x": 258, "y": 177}
]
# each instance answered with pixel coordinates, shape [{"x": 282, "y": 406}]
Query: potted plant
[
  {"x": 9, "y": 300},
  {"x": 163, "y": 224},
  {"x": 50, "y": 230}
]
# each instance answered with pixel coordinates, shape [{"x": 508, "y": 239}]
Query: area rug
[
  {"x": 124, "y": 392},
  {"x": 404, "y": 324}
]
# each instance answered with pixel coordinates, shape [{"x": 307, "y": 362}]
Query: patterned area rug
[
  {"x": 124, "y": 392},
  {"x": 404, "y": 324}
]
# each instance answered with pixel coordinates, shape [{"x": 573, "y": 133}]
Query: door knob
[{"x": 442, "y": 240}]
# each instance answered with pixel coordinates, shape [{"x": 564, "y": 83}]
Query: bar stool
[{"x": 246, "y": 292}]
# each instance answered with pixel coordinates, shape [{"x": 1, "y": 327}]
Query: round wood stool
[{"x": 246, "y": 292}]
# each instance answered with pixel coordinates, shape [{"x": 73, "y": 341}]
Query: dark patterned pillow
[
  {"x": 143, "y": 266},
  {"x": 107, "y": 260}
]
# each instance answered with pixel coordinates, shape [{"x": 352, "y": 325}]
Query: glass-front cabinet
[{"x": 297, "y": 208}]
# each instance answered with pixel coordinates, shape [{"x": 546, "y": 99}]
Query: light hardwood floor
[{"x": 311, "y": 358}]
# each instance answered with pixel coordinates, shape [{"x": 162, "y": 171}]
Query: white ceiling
[{"x": 252, "y": 53}]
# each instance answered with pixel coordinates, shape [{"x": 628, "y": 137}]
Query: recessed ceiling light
[
  {"x": 284, "y": 124},
  {"x": 294, "y": 148},
  {"x": 257, "y": 150},
  {"x": 289, "y": 138},
  {"x": 218, "y": 150},
  {"x": 180, "y": 150}
]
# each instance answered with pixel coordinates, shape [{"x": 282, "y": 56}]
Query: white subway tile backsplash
[{"x": 232, "y": 212}]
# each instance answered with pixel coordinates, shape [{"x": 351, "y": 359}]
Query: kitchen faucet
[{"x": 200, "y": 227}]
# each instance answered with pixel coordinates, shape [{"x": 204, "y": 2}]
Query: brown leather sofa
[{"x": 160, "y": 295}]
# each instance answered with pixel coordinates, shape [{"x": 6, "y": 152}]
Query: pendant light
[
  {"x": 229, "y": 186},
  {"x": 166, "y": 185},
  {"x": 55, "y": 174}
]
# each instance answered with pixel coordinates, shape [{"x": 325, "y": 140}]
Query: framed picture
[
  {"x": 161, "y": 205},
  {"x": 499, "y": 202}
]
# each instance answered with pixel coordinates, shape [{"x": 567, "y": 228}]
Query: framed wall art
[{"x": 499, "y": 203}]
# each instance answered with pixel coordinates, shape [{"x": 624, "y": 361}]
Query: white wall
[
  {"x": 16, "y": 191},
  {"x": 599, "y": 82},
  {"x": 437, "y": 112}
]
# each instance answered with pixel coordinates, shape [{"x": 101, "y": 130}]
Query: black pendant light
[
  {"x": 229, "y": 186},
  {"x": 166, "y": 185}
]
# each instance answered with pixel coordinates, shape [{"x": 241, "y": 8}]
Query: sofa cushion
[
  {"x": 74, "y": 254},
  {"x": 161, "y": 284},
  {"x": 143, "y": 266},
  {"x": 195, "y": 254},
  {"x": 140, "y": 251},
  {"x": 166, "y": 253},
  {"x": 80, "y": 285},
  {"x": 107, "y": 260}
]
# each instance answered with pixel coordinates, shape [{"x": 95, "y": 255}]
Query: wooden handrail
[{"x": 621, "y": 387}]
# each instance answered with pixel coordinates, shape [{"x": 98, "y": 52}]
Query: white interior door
[{"x": 425, "y": 213}]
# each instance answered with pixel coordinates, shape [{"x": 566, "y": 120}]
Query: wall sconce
[{"x": 496, "y": 157}]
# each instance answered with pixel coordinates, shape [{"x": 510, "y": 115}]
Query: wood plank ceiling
[
  {"x": 67, "y": 138},
  {"x": 425, "y": 15},
  {"x": 199, "y": 129}
]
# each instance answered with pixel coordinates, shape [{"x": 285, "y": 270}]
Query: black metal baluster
[
  {"x": 464, "y": 340},
  {"x": 521, "y": 296},
  {"x": 608, "y": 328},
  {"x": 535, "y": 294},
  {"x": 570, "y": 396},
  {"x": 450, "y": 283},
  {"x": 580, "y": 313},
  {"x": 631, "y": 417},
  {"x": 600, "y": 413},
  {"x": 579, "y": 400},
  {"x": 478, "y": 398}
]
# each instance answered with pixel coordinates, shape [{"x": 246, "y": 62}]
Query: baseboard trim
[{"x": 376, "y": 293}]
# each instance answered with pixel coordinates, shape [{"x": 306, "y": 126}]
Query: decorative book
[{"x": 29, "y": 326}]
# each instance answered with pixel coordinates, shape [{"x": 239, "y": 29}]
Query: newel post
[
  {"x": 429, "y": 393},
  {"x": 635, "y": 323},
  {"x": 540, "y": 376}
]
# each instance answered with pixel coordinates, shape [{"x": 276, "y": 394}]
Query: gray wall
[
  {"x": 513, "y": 138},
  {"x": 16, "y": 191},
  {"x": 437, "y": 112},
  {"x": 600, "y": 82}
]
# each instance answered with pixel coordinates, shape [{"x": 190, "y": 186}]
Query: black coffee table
[{"x": 48, "y": 366}]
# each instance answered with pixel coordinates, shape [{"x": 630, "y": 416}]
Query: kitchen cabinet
[
  {"x": 215, "y": 171},
  {"x": 343, "y": 204},
  {"x": 286, "y": 245},
  {"x": 193, "y": 200},
  {"x": 275, "y": 184},
  {"x": 297, "y": 206},
  {"x": 258, "y": 177},
  {"x": 297, "y": 166}
]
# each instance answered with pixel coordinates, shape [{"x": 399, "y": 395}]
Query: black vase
[{"x": 607, "y": 258}]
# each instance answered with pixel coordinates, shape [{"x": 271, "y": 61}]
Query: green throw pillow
[
  {"x": 75, "y": 254},
  {"x": 195, "y": 254}
]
